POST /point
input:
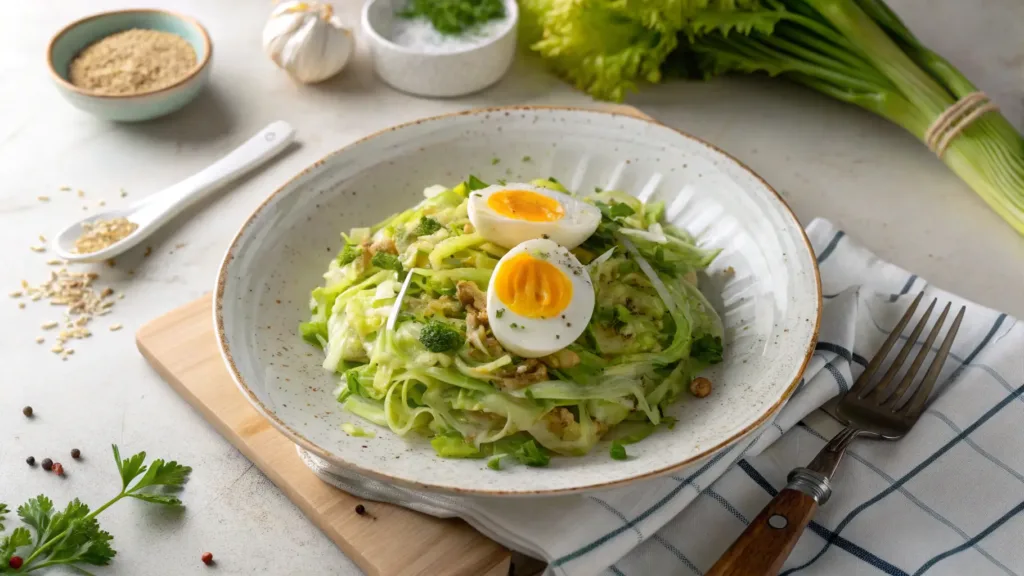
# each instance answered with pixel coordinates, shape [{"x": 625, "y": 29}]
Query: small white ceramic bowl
[
  {"x": 764, "y": 284},
  {"x": 76, "y": 36},
  {"x": 437, "y": 73}
]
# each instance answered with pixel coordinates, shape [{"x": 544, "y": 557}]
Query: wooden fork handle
[{"x": 763, "y": 547}]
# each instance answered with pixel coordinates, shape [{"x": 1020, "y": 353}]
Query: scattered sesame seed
[
  {"x": 49, "y": 325},
  {"x": 43, "y": 198},
  {"x": 65, "y": 188},
  {"x": 115, "y": 327},
  {"x": 42, "y": 238},
  {"x": 15, "y": 294},
  {"x": 102, "y": 202},
  {"x": 81, "y": 193},
  {"x": 37, "y": 248},
  {"x": 55, "y": 262},
  {"x": 123, "y": 193},
  {"x": 40, "y": 340},
  {"x": 21, "y": 305},
  {"x": 57, "y": 349}
]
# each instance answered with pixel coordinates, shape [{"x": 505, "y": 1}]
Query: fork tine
[
  {"x": 883, "y": 384},
  {"x": 917, "y": 402},
  {"x": 926, "y": 348},
  {"x": 865, "y": 378}
]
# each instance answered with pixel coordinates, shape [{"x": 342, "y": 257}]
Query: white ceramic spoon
[{"x": 155, "y": 210}]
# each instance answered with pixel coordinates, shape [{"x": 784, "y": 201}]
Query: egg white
[
  {"x": 578, "y": 223},
  {"x": 536, "y": 337}
]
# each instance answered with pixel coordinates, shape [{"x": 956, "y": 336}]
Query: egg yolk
[
  {"x": 526, "y": 205},
  {"x": 532, "y": 287}
]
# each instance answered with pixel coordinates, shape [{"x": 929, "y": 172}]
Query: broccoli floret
[
  {"x": 386, "y": 261},
  {"x": 348, "y": 254},
  {"x": 427, "y": 226},
  {"x": 707, "y": 348},
  {"x": 437, "y": 336}
]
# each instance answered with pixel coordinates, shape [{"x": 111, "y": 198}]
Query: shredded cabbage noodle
[{"x": 393, "y": 330}]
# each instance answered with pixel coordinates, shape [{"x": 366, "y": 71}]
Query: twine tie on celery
[{"x": 951, "y": 123}]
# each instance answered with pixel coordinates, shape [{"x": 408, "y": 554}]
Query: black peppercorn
[
  {"x": 47, "y": 464},
  {"x": 76, "y": 453},
  {"x": 31, "y": 460},
  {"x": 360, "y": 509},
  {"x": 27, "y": 411}
]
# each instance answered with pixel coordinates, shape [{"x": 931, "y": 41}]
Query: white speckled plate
[{"x": 770, "y": 304}]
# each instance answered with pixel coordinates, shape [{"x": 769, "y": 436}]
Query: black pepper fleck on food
[{"x": 360, "y": 509}]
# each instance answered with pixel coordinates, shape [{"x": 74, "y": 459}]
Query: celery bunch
[{"x": 857, "y": 51}]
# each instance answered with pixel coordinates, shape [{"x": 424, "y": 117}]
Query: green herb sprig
[
  {"x": 453, "y": 17},
  {"x": 72, "y": 537}
]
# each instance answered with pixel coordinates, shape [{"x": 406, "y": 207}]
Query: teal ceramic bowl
[{"x": 135, "y": 107}]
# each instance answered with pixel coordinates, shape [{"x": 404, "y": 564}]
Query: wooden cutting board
[{"x": 181, "y": 346}]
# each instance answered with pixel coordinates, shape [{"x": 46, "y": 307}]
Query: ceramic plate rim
[{"x": 301, "y": 441}]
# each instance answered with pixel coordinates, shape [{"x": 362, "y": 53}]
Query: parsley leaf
[
  {"x": 614, "y": 211},
  {"x": 9, "y": 544},
  {"x": 474, "y": 183},
  {"x": 426, "y": 227},
  {"x": 452, "y": 17},
  {"x": 72, "y": 537},
  {"x": 618, "y": 451},
  {"x": 707, "y": 348}
]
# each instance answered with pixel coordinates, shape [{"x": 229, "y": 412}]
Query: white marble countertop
[{"x": 826, "y": 158}]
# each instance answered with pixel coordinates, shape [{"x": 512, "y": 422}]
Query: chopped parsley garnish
[
  {"x": 474, "y": 183},
  {"x": 707, "y": 348},
  {"x": 499, "y": 313},
  {"x": 453, "y": 17},
  {"x": 495, "y": 161},
  {"x": 615, "y": 211},
  {"x": 427, "y": 226},
  {"x": 618, "y": 451},
  {"x": 526, "y": 158}
]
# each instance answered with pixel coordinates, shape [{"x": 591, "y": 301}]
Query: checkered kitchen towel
[{"x": 945, "y": 500}]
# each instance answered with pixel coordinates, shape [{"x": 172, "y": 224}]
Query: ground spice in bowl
[
  {"x": 100, "y": 234},
  {"x": 132, "y": 62}
]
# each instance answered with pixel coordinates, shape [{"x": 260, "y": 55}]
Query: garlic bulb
[{"x": 307, "y": 40}]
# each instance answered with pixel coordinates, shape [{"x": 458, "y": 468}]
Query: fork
[{"x": 870, "y": 410}]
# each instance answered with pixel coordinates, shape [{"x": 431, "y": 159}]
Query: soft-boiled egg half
[
  {"x": 513, "y": 213},
  {"x": 539, "y": 300}
]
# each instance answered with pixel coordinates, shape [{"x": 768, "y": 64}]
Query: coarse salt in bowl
[{"x": 412, "y": 57}]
